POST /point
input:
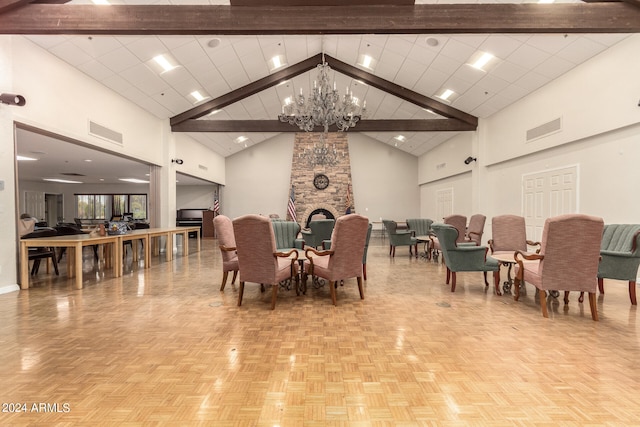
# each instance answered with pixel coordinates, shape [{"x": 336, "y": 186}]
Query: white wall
[
  {"x": 195, "y": 196},
  {"x": 598, "y": 103},
  {"x": 596, "y": 97},
  {"x": 258, "y": 178},
  {"x": 444, "y": 168},
  {"x": 384, "y": 179},
  {"x": 8, "y": 245},
  {"x": 62, "y": 100}
]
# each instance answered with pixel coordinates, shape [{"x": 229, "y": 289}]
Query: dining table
[{"x": 113, "y": 244}]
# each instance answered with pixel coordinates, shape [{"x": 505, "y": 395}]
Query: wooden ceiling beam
[
  {"x": 308, "y": 64},
  {"x": 245, "y": 126},
  {"x": 318, "y": 2},
  {"x": 247, "y": 90},
  {"x": 400, "y": 92},
  {"x": 602, "y": 17}
]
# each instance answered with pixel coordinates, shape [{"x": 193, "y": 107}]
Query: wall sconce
[
  {"x": 469, "y": 160},
  {"x": 11, "y": 99},
  {"x": 177, "y": 161}
]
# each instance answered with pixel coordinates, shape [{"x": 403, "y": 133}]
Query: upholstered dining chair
[
  {"x": 319, "y": 231},
  {"x": 399, "y": 238},
  {"x": 344, "y": 259},
  {"x": 465, "y": 257},
  {"x": 475, "y": 230},
  {"x": 568, "y": 259},
  {"x": 459, "y": 222},
  {"x": 227, "y": 242},
  {"x": 620, "y": 254},
  {"x": 258, "y": 259}
]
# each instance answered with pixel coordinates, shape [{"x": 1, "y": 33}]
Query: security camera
[
  {"x": 11, "y": 99},
  {"x": 177, "y": 161},
  {"x": 469, "y": 160}
]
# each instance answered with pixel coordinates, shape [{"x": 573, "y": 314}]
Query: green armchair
[
  {"x": 464, "y": 258},
  {"x": 620, "y": 256},
  {"x": 286, "y": 234},
  {"x": 419, "y": 226},
  {"x": 422, "y": 227},
  {"x": 399, "y": 238},
  {"x": 319, "y": 231}
]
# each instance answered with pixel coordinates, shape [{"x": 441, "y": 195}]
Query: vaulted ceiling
[{"x": 224, "y": 51}]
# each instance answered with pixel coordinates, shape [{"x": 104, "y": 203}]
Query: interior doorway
[
  {"x": 546, "y": 194},
  {"x": 53, "y": 208}
]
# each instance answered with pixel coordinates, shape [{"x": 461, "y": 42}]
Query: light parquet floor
[{"x": 165, "y": 347}]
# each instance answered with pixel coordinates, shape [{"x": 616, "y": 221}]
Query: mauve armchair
[
  {"x": 344, "y": 259},
  {"x": 568, "y": 259},
  {"x": 459, "y": 222},
  {"x": 475, "y": 230},
  {"x": 227, "y": 243},
  {"x": 259, "y": 261},
  {"x": 464, "y": 258}
]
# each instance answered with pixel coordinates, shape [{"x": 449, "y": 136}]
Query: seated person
[{"x": 26, "y": 224}]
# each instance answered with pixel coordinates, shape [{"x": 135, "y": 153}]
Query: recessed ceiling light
[
  {"x": 63, "y": 181},
  {"x": 433, "y": 42},
  {"x": 480, "y": 60},
  {"x": 164, "y": 62},
  {"x": 88, "y": 160},
  {"x": 25, "y": 158},
  {"x": 446, "y": 94},
  {"x": 400, "y": 138},
  {"x": 366, "y": 61},
  {"x": 198, "y": 96},
  {"x": 134, "y": 180},
  {"x": 277, "y": 62}
]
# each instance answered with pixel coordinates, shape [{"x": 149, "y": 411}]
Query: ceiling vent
[
  {"x": 544, "y": 129},
  {"x": 104, "y": 132},
  {"x": 71, "y": 174}
]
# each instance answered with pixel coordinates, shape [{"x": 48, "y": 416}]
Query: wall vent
[
  {"x": 441, "y": 165},
  {"x": 104, "y": 132},
  {"x": 544, "y": 129},
  {"x": 204, "y": 168}
]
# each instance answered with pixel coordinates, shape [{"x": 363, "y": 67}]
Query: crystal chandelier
[
  {"x": 324, "y": 107},
  {"x": 320, "y": 154}
]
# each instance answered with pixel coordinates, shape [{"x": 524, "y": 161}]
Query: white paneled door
[
  {"x": 444, "y": 203},
  {"x": 546, "y": 194}
]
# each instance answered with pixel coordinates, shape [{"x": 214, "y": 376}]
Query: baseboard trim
[{"x": 8, "y": 289}]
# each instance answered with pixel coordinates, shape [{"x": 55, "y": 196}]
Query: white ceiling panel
[{"x": 217, "y": 65}]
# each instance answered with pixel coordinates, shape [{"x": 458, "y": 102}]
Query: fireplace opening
[{"x": 325, "y": 212}]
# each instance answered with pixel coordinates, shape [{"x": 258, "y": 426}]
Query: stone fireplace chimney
[{"x": 309, "y": 198}]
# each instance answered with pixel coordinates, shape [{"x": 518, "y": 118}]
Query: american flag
[
  {"x": 291, "y": 207},
  {"x": 216, "y": 205},
  {"x": 348, "y": 202}
]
